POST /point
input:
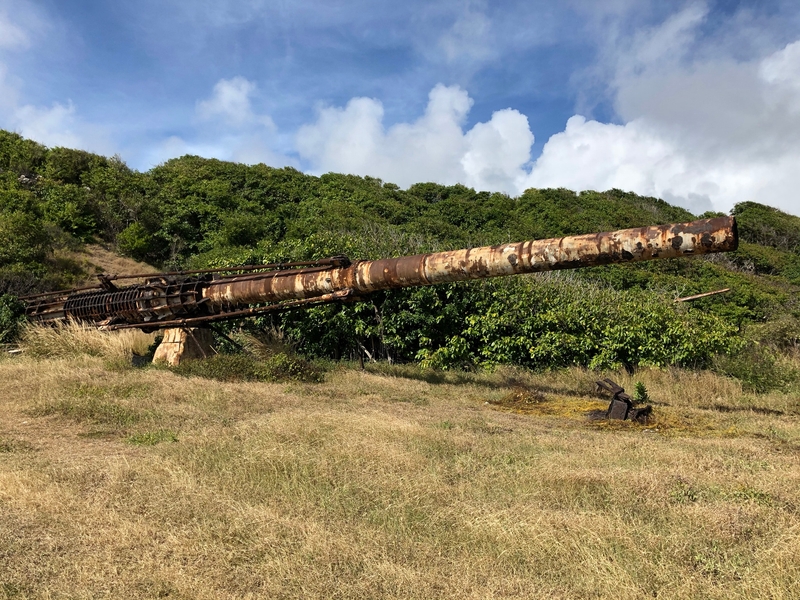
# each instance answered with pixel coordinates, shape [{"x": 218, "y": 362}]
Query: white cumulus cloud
[
  {"x": 498, "y": 152},
  {"x": 230, "y": 102},
  {"x": 704, "y": 134},
  {"x": 228, "y": 128},
  {"x": 435, "y": 147},
  {"x": 696, "y": 126},
  {"x": 697, "y": 119}
]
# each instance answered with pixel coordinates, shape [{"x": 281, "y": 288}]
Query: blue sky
[{"x": 695, "y": 102}]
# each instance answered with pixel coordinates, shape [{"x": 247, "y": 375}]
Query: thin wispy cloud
[
  {"x": 11, "y": 35},
  {"x": 54, "y": 124},
  {"x": 470, "y": 37}
]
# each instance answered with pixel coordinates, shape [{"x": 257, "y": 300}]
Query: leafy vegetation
[
  {"x": 11, "y": 316},
  {"x": 641, "y": 394},
  {"x": 195, "y": 212}
]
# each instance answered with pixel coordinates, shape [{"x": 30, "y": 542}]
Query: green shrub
[
  {"x": 782, "y": 333},
  {"x": 767, "y": 226},
  {"x": 12, "y": 315},
  {"x": 69, "y": 166},
  {"x": 561, "y": 322},
  {"x": 640, "y": 393},
  {"x": 68, "y": 207},
  {"x": 135, "y": 241},
  {"x": 23, "y": 239},
  {"x": 756, "y": 367}
]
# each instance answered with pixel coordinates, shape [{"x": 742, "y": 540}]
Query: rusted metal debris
[
  {"x": 190, "y": 298},
  {"x": 621, "y": 407},
  {"x": 703, "y": 295}
]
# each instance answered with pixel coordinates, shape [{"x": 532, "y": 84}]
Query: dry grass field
[{"x": 122, "y": 482}]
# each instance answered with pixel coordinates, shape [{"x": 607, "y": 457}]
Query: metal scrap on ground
[{"x": 621, "y": 407}]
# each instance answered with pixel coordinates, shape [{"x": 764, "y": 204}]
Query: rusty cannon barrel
[
  {"x": 571, "y": 252},
  {"x": 182, "y": 299}
]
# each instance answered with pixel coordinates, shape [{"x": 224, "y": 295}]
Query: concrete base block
[{"x": 184, "y": 344}]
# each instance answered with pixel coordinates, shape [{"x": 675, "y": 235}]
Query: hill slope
[{"x": 194, "y": 212}]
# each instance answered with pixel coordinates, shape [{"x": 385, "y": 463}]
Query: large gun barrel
[
  {"x": 175, "y": 299},
  {"x": 572, "y": 252}
]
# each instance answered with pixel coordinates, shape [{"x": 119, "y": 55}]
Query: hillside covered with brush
[{"x": 192, "y": 212}]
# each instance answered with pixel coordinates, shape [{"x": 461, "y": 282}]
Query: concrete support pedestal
[{"x": 184, "y": 344}]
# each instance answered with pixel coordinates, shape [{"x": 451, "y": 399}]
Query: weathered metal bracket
[{"x": 621, "y": 407}]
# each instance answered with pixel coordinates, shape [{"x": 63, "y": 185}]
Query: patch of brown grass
[
  {"x": 78, "y": 265},
  {"x": 73, "y": 339},
  {"x": 391, "y": 484},
  {"x": 93, "y": 259}
]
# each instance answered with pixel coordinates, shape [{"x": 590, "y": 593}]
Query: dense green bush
[
  {"x": 12, "y": 314},
  {"x": 68, "y": 207},
  {"x": 135, "y": 241},
  {"x": 70, "y": 167},
  {"x": 199, "y": 213},
  {"x": 19, "y": 156},
  {"x": 782, "y": 333},
  {"x": 756, "y": 367},
  {"x": 767, "y": 226},
  {"x": 23, "y": 239},
  {"x": 558, "y": 323}
]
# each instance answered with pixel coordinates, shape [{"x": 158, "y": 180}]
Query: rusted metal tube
[
  {"x": 571, "y": 252},
  {"x": 165, "y": 300}
]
